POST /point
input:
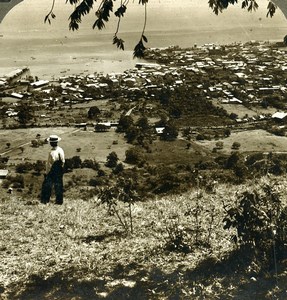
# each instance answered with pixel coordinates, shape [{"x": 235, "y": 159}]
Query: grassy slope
[{"x": 78, "y": 251}]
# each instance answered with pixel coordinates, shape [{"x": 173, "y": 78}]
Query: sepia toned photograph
[{"x": 143, "y": 149}]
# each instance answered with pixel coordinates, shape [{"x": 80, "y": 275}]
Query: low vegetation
[
  {"x": 181, "y": 247},
  {"x": 177, "y": 200}
]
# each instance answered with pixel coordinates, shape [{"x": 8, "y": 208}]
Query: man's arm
[
  {"x": 49, "y": 163},
  {"x": 62, "y": 155}
]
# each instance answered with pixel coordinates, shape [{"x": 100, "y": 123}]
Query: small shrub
[
  {"x": 235, "y": 146},
  {"x": 112, "y": 160},
  {"x": 90, "y": 164},
  {"x": 178, "y": 238},
  {"x": 260, "y": 221},
  {"x": 118, "y": 169},
  {"x": 39, "y": 166},
  {"x": 133, "y": 156},
  {"x": 125, "y": 191},
  {"x": 14, "y": 181},
  {"x": 101, "y": 173},
  {"x": 24, "y": 167},
  {"x": 4, "y": 160},
  {"x": 200, "y": 137},
  {"x": 72, "y": 163},
  {"x": 35, "y": 143},
  {"x": 98, "y": 181}
]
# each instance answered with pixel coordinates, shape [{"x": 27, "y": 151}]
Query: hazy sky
[{"x": 162, "y": 14}]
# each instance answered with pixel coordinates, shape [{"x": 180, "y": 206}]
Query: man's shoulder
[{"x": 60, "y": 149}]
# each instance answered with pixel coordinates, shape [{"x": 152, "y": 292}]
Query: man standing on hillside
[{"x": 54, "y": 172}]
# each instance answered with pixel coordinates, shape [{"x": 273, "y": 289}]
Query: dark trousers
[{"x": 53, "y": 178}]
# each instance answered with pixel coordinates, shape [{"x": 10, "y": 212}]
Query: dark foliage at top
[{"x": 105, "y": 10}]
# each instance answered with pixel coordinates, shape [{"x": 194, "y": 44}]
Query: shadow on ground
[{"x": 136, "y": 281}]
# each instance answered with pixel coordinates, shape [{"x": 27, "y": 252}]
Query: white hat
[{"x": 53, "y": 138}]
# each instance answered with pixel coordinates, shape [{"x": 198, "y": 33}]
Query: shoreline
[
  {"x": 53, "y": 66},
  {"x": 71, "y": 64}
]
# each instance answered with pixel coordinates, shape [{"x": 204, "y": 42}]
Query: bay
[{"x": 54, "y": 51}]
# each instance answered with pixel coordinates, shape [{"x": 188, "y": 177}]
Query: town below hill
[
  {"x": 195, "y": 139},
  {"x": 214, "y": 110}
]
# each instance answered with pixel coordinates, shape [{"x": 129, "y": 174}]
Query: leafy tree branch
[
  {"x": 251, "y": 5},
  {"x": 103, "y": 15},
  {"x": 140, "y": 47},
  {"x": 50, "y": 13},
  {"x": 120, "y": 13}
]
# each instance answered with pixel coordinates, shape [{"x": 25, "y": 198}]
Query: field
[
  {"x": 243, "y": 111},
  {"x": 79, "y": 251},
  {"x": 93, "y": 145},
  {"x": 250, "y": 141}
]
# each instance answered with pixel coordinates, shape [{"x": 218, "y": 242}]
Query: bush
[
  {"x": 125, "y": 190},
  {"x": 232, "y": 160},
  {"x": 101, "y": 173},
  {"x": 112, "y": 160},
  {"x": 260, "y": 221},
  {"x": 219, "y": 145},
  {"x": 35, "y": 143},
  {"x": 14, "y": 181},
  {"x": 90, "y": 164},
  {"x": 118, "y": 169},
  {"x": 96, "y": 181},
  {"x": 178, "y": 239},
  {"x": 39, "y": 166},
  {"x": 170, "y": 132},
  {"x": 24, "y": 167},
  {"x": 133, "y": 156},
  {"x": 235, "y": 146},
  {"x": 4, "y": 160},
  {"x": 72, "y": 163},
  {"x": 167, "y": 180},
  {"x": 200, "y": 137}
]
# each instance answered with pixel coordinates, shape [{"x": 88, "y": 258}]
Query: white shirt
[{"x": 56, "y": 153}]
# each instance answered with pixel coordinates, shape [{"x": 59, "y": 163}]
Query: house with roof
[
  {"x": 279, "y": 116},
  {"x": 3, "y": 174},
  {"x": 102, "y": 126}
]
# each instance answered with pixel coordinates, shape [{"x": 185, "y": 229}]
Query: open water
[{"x": 53, "y": 51}]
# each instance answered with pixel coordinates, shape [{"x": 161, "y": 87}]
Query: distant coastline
[{"x": 49, "y": 58}]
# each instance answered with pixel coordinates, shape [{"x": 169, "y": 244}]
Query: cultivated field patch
[{"x": 250, "y": 141}]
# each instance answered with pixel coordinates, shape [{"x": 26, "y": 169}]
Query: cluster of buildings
[
  {"x": 237, "y": 73},
  {"x": 246, "y": 74}
]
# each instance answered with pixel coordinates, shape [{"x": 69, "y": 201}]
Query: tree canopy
[{"x": 105, "y": 9}]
